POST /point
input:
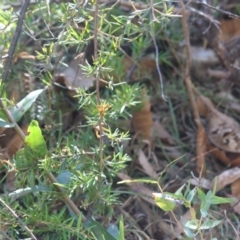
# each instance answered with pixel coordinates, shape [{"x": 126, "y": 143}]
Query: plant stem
[{"x": 15, "y": 38}]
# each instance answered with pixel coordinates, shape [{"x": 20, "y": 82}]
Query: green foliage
[{"x": 193, "y": 227}]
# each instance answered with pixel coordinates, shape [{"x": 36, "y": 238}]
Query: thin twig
[
  {"x": 152, "y": 19},
  {"x": 15, "y": 38},
  {"x": 95, "y": 40},
  {"x": 232, "y": 15},
  {"x": 234, "y": 229},
  {"x": 18, "y": 219},
  {"x": 5, "y": 235}
]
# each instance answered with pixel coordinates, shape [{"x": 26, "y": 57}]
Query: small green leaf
[
  {"x": 221, "y": 200},
  {"x": 210, "y": 224},
  {"x": 179, "y": 191},
  {"x": 35, "y": 145},
  {"x": 20, "y": 108}
]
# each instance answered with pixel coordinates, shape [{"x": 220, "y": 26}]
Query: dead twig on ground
[
  {"x": 232, "y": 15},
  {"x": 201, "y": 134}
]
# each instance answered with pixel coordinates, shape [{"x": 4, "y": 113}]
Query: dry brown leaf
[
  {"x": 6, "y": 135},
  {"x": 28, "y": 83},
  {"x": 186, "y": 217},
  {"x": 143, "y": 68},
  {"x": 142, "y": 120},
  {"x": 200, "y": 182},
  {"x": 147, "y": 167},
  {"x": 174, "y": 153},
  {"x": 235, "y": 188},
  {"x": 15, "y": 143},
  {"x": 204, "y": 106},
  {"x": 160, "y": 131},
  {"x": 165, "y": 228},
  {"x": 226, "y": 177},
  {"x": 74, "y": 77},
  {"x": 223, "y": 131},
  {"x": 4, "y": 155},
  {"x": 139, "y": 188},
  {"x": 201, "y": 150},
  {"x": 146, "y": 211},
  {"x": 23, "y": 55},
  {"x": 9, "y": 185},
  {"x": 229, "y": 29},
  {"x": 236, "y": 162},
  {"x": 220, "y": 155},
  {"x": 236, "y": 204}
]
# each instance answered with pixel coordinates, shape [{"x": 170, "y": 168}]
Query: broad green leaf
[
  {"x": 201, "y": 194},
  {"x": 209, "y": 195},
  {"x": 193, "y": 224},
  {"x": 179, "y": 191},
  {"x": 113, "y": 230},
  {"x": 205, "y": 205},
  {"x": 20, "y": 108},
  {"x": 191, "y": 195},
  {"x": 6, "y": 124},
  {"x": 98, "y": 230},
  {"x": 210, "y": 224},
  {"x": 64, "y": 177},
  {"x": 221, "y": 200},
  {"x": 35, "y": 145}
]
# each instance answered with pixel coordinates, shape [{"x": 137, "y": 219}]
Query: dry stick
[
  {"x": 138, "y": 6},
  {"x": 188, "y": 81},
  {"x": 219, "y": 10},
  {"x": 152, "y": 19},
  {"x": 15, "y": 38},
  {"x": 19, "y": 220},
  {"x": 49, "y": 174},
  {"x": 5, "y": 235},
  {"x": 95, "y": 39}
]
